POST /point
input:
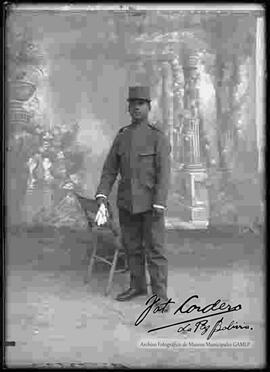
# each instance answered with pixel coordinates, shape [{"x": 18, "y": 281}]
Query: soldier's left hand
[{"x": 158, "y": 211}]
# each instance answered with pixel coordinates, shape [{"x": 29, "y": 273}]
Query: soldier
[{"x": 141, "y": 153}]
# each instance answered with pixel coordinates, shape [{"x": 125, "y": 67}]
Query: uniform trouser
[{"x": 143, "y": 234}]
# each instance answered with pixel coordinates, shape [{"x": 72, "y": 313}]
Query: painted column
[
  {"x": 178, "y": 94},
  {"x": 196, "y": 202},
  {"x": 19, "y": 92},
  {"x": 167, "y": 100}
]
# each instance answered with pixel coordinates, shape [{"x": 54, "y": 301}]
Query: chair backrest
[{"x": 90, "y": 208}]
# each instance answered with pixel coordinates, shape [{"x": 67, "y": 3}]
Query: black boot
[{"x": 131, "y": 293}]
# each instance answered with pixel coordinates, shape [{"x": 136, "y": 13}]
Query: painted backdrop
[{"x": 67, "y": 82}]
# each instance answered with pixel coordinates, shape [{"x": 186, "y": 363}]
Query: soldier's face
[{"x": 139, "y": 109}]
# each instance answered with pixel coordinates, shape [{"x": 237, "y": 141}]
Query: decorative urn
[{"x": 20, "y": 90}]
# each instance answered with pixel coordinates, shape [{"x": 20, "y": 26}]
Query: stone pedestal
[{"x": 195, "y": 203}]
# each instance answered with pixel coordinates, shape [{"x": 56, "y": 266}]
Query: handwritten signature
[{"x": 155, "y": 305}]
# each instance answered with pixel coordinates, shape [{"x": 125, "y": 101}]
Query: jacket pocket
[
  {"x": 145, "y": 154},
  {"x": 147, "y": 169}
]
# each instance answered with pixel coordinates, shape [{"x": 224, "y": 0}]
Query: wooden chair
[{"x": 90, "y": 208}]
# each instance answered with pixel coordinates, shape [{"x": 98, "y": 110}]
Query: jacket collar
[{"x": 142, "y": 123}]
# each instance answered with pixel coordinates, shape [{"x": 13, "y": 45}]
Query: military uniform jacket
[{"x": 141, "y": 154}]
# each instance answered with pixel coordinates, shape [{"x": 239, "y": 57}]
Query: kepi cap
[{"x": 139, "y": 92}]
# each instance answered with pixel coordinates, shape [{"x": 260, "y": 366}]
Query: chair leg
[
  {"x": 113, "y": 267},
  {"x": 92, "y": 257}
]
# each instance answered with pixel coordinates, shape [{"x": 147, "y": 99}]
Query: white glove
[{"x": 102, "y": 215}]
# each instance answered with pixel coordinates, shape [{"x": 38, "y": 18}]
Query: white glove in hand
[{"x": 102, "y": 215}]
